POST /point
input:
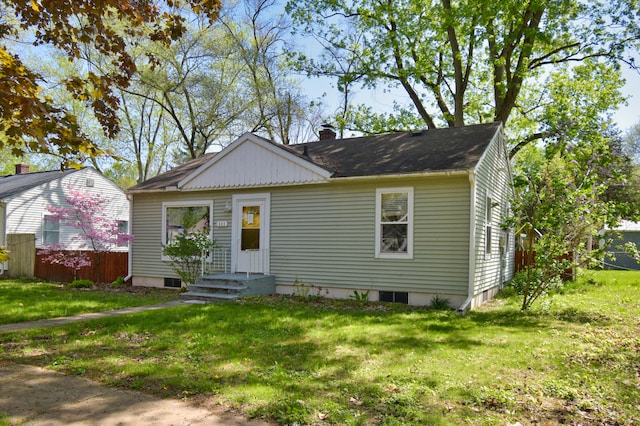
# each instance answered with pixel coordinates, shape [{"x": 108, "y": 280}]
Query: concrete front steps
[{"x": 229, "y": 287}]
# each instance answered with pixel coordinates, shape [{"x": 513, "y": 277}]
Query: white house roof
[
  {"x": 11, "y": 185},
  {"x": 627, "y": 225}
]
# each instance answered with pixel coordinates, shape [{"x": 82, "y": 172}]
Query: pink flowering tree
[
  {"x": 73, "y": 260},
  {"x": 97, "y": 231}
]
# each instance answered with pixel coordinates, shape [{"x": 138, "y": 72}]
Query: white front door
[{"x": 250, "y": 233}]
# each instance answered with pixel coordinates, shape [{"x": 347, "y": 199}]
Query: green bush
[
  {"x": 186, "y": 253},
  {"x": 440, "y": 303},
  {"x": 118, "y": 283},
  {"x": 506, "y": 292},
  {"x": 80, "y": 284},
  {"x": 361, "y": 297},
  {"x": 519, "y": 281}
]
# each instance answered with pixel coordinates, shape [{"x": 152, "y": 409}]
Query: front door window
[{"x": 250, "y": 232}]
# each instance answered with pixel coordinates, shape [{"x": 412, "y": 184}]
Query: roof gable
[{"x": 268, "y": 163}]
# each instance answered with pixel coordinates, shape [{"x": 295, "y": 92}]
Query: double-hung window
[
  {"x": 123, "y": 228},
  {"x": 488, "y": 226},
  {"x": 394, "y": 223},
  {"x": 50, "y": 230},
  {"x": 185, "y": 218}
]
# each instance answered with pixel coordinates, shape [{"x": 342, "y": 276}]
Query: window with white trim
[
  {"x": 394, "y": 223},
  {"x": 123, "y": 228},
  {"x": 488, "y": 227},
  {"x": 185, "y": 217},
  {"x": 50, "y": 230}
]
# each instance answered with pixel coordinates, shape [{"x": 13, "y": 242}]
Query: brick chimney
[
  {"x": 327, "y": 133},
  {"x": 22, "y": 169}
]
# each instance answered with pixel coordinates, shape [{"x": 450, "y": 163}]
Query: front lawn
[
  {"x": 575, "y": 359},
  {"x": 29, "y": 301}
]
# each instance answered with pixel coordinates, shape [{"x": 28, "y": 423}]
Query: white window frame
[
  {"x": 190, "y": 203},
  {"x": 410, "y": 217},
  {"x": 45, "y": 230},
  {"x": 125, "y": 230},
  {"x": 488, "y": 225}
]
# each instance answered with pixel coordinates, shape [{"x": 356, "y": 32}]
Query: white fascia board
[
  {"x": 496, "y": 135},
  {"x": 150, "y": 191}
]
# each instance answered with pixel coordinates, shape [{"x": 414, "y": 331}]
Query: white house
[
  {"x": 24, "y": 198},
  {"x": 405, "y": 217}
]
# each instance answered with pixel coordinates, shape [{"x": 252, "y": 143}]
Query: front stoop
[{"x": 229, "y": 287}]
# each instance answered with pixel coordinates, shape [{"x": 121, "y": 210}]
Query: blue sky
[
  {"x": 625, "y": 116},
  {"x": 630, "y": 115}
]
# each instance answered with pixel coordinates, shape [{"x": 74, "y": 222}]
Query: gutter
[
  {"x": 451, "y": 172},
  {"x": 472, "y": 246},
  {"x": 170, "y": 188},
  {"x": 3, "y": 237},
  {"x": 130, "y": 257},
  {"x": 174, "y": 189}
]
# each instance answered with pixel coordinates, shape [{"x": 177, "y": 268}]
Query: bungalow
[
  {"x": 402, "y": 217},
  {"x": 24, "y": 218}
]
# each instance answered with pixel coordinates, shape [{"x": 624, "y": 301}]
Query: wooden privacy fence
[
  {"x": 105, "y": 268},
  {"x": 22, "y": 253},
  {"x": 524, "y": 259}
]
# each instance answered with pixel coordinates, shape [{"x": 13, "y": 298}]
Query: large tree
[
  {"x": 465, "y": 61},
  {"x": 259, "y": 37},
  {"x": 29, "y": 119},
  {"x": 198, "y": 88},
  {"x": 632, "y": 143}
]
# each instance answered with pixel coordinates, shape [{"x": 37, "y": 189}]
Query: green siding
[
  {"x": 492, "y": 175},
  {"x": 146, "y": 251},
  {"x": 324, "y": 235}
]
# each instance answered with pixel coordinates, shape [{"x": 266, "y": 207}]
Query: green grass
[
  {"x": 28, "y": 301},
  {"x": 574, "y": 359}
]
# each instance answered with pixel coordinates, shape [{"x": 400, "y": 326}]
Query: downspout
[
  {"x": 4, "y": 234},
  {"x": 129, "y": 258},
  {"x": 472, "y": 245}
]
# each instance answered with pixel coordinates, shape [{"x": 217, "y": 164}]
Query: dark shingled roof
[
  {"x": 455, "y": 148},
  {"x": 427, "y": 151},
  {"x": 173, "y": 176},
  {"x": 15, "y": 184}
]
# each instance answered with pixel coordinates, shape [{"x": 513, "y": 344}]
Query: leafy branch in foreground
[
  {"x": 31, "y": 121},
  {"x": 4, "y": 254}
]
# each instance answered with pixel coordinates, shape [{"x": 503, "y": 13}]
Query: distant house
[
  {"x": 24, "y": 197},
  {"x": 405, "y": 216},
  {"x": 627, "y": 232}
]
